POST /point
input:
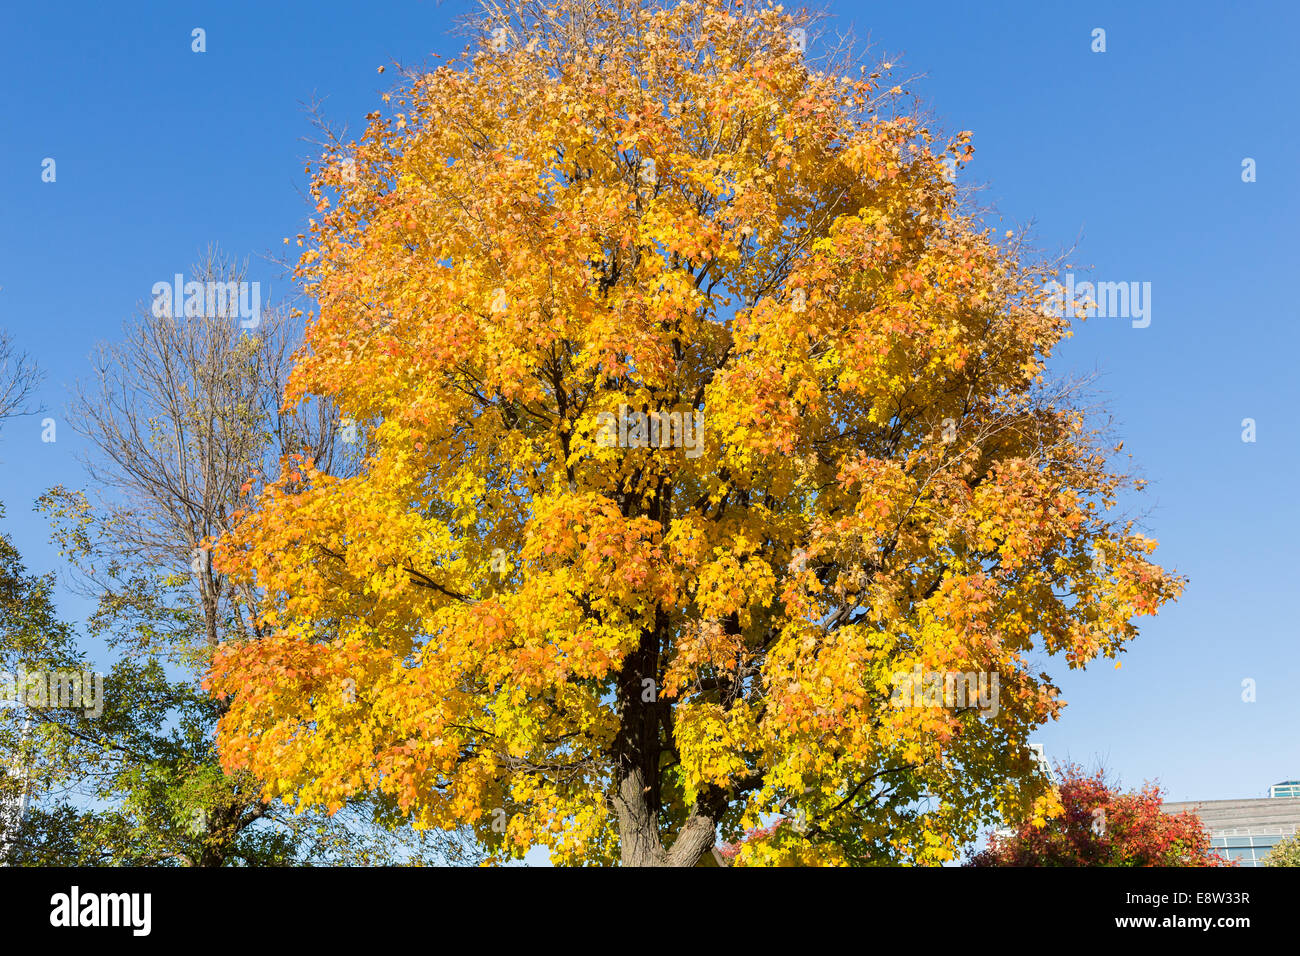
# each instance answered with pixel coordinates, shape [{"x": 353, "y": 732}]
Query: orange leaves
[
  {"x": 613, "y": 553},
  {"x": 540, "y": 239}
]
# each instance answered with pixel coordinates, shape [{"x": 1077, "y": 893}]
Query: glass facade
[
  {"x": 1288, "y": 788},
  {"x": 1248, "y": 845}
]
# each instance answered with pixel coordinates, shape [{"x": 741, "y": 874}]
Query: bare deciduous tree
[
  {"x": 184, "y": 420},
  {"x": 19, "y": 379}
]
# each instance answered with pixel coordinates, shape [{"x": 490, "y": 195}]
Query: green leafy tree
[
  {"x": 1286, "y": 853},
  {"x": 34, "y": 758}
]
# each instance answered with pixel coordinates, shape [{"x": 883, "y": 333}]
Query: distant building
[
  {"x": 1040, "y": 758},
  {"x": 1287, "y": 788},
  {"x": 1246, "y": 830}
]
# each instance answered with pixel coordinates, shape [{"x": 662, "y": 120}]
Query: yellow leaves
[
  {"x": 729, "y": 585},
  {"x": 1046, "y": 807},
  {"x": 711, "y": 741},
  {"x": 877, "y": 485}
]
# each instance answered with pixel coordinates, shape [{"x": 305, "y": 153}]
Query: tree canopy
[{"x": 695, "y": 406}]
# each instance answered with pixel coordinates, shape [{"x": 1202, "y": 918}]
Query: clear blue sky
[{"x": 1138, "y": 150}]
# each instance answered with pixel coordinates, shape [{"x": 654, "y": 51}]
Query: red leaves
[{"x": 1102, "y": 826}]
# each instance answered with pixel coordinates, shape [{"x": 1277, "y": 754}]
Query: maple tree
[
  {"x": 1101, "y": 826},
  {"x": 623, "y": 643}
]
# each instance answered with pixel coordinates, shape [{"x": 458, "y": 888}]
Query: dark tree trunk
[
  {"x": 636, "y": 755},
  {"x": 637, "y": 749}
]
